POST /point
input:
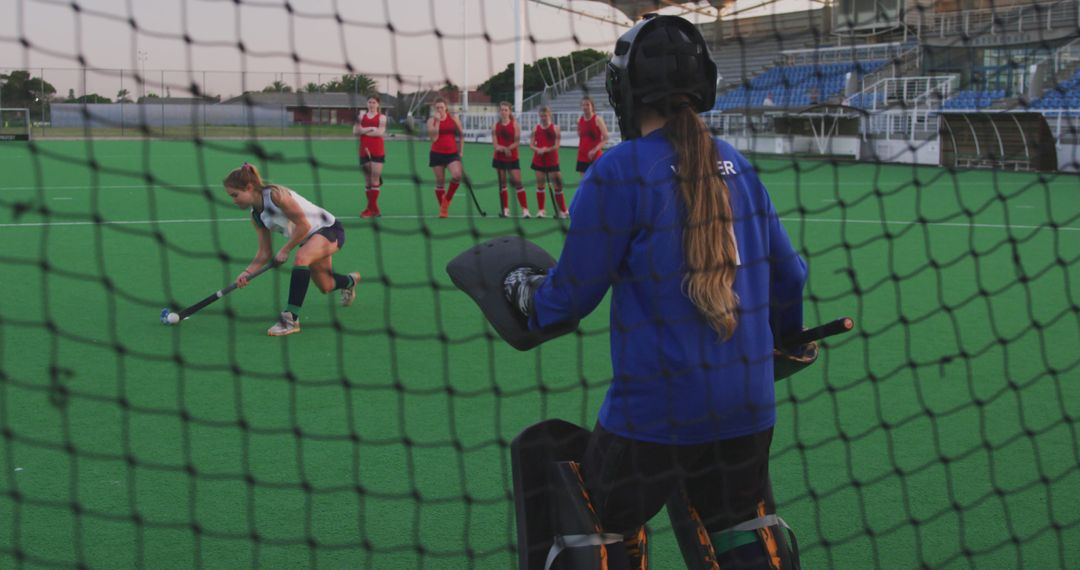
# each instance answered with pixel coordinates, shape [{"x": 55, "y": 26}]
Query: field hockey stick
[
  {"x": 468, "y": 184},
  {"x": 170, "y": 318},
  {"x": 839, "y": 326},
  {"x": 551, "y": 196}
]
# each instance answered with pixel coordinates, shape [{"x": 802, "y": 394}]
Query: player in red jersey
[
  {"x": 371, "y": 127},
  {"x": 592, "y": 135},
  {"x": 447, "y": 146},
  {"x": 506, "y": 136},
  {"x": 545, "y": 145}
]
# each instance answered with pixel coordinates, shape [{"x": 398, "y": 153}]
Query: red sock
[
  {"x": 523, "y": 199},
  {"x": 451, "y": 191},
  {"x": 367, "y": 192},
  {"x": 540, "y": 198},
  {"x": 373, "y": 198},
  {"x": 560, "y": 200},
  {"x": 440, "y": 194},
  {"x": 504, "y": 198}
]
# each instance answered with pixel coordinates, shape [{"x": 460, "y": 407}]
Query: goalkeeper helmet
[{"x": 659, "y": 57}]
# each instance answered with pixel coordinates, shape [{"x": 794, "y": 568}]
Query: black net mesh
[{"x": 943, "y": 218}]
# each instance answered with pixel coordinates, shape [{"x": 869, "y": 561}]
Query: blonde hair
[
  {"x": 508, "y": 106},
  {"x": 708, "y": 238}
]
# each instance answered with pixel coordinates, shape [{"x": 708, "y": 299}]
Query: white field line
[
  {"x": 423, "y": 184},
  {"x": 356, "y": 184},
  {"x": 432, "y": 217}
]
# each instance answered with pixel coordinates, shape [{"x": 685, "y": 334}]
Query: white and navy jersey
[{"x": 274, "y": 219}]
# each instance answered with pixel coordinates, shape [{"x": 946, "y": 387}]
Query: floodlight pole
[
  {"x": 143, "y": 55},
  {"x": 519, "y": 71},
  {"x": 465, "y": 47}
]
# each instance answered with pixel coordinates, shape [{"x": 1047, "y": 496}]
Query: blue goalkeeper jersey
[{"x": 675, "y": 381}]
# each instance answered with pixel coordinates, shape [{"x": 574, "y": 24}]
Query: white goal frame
[{"x": 8, "y": 133}]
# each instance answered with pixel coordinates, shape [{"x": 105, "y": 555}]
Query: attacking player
[
  {"x": 545, "y": 145},
  {"x": 592, "y": 135},
  {"x": 506, "y": 137},
  {"x": 371, "y": 127},
  {"x": 447, "y": 147},
  {"x": 307, "y": 226}
]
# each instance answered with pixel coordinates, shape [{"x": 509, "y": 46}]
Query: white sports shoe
[
  {"x": 563, "y": 215},
  {"x": 348, "y": 295},
  {"x": 541, "y": 214},
  {"x": 287, "y": 324},
  {"x": 525, "y": 213}
]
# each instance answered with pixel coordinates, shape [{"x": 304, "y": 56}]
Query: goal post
[{"x": 15, "y": 124}]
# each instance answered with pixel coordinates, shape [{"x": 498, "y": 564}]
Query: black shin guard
[
  {"x": 298, "y": 286},
  {"x": 342, "y": 281}
]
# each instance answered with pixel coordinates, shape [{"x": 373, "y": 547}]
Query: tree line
[{"x": 21, "y": 89}]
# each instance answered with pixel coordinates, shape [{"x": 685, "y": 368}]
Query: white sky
[{"x": 100, "y": 32}]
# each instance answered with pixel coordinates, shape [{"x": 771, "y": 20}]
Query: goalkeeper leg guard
[
  {"x": 556, "y": 523},
  {"x": 579, "y": 543},
  {"x": 763, "y": 543}
]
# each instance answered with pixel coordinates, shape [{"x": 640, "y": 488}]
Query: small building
[
  {"x": 313, "y": 108},
  {"x": 479, "y": 102}
]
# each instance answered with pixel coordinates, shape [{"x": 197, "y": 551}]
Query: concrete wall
[
  {"x": 903, "y": 151},
  {"x": 1068, "y": 157}
]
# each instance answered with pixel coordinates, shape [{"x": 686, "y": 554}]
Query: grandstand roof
[{"x": 635, "y": 8}]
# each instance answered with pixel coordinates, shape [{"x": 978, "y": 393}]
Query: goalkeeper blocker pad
[{"x": 480, "y": 270}]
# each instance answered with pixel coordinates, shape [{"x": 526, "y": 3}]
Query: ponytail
[
  {"x": 243, "y": 176},
  {"x": 708, "y": 238}
]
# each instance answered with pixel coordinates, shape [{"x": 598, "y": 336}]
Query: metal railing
[
  {"x": 1065, "y": 124},
  {"x": 909, "y": 59},
  {"x": 1031, "y": 17},
  {"x": 1051, "y": 68},
  {"x": 926, "y": 91},
  {"x": 902, "y": 124},
  {"x": 843, "y": 54},
  {"x": 726, "y": 125},
  {"x": 563, "y": 85},
  {"x": 478, "y": 126}
]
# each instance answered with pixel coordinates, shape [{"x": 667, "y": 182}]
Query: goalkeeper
[{"x": 703, "y": 277}]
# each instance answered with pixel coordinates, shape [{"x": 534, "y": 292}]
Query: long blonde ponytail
[{"x": 708, "y": 239}]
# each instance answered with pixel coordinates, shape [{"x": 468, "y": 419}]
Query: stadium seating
[
  {"x": 793, "y": 85},
  {"x": 974, "y": 99},
  {"x": 1065, "y": 95}
]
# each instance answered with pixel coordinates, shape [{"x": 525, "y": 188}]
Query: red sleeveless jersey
[
  {"x": 504, "y": 136},
  {"x": 371, "y": 146},
  {"x": 446, "y": 142},
  {"x": 589, "y": 137},
  {"x": 545, "y": 138}
]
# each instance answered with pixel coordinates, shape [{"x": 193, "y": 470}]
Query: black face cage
[{"x": 622, "y": 95}]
